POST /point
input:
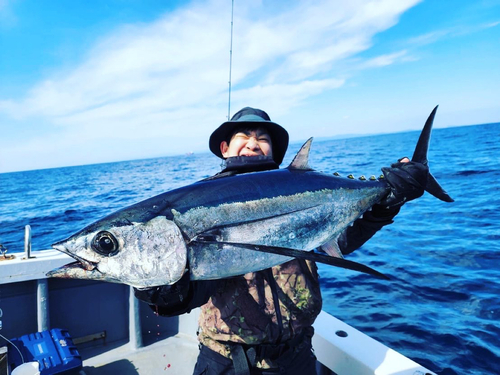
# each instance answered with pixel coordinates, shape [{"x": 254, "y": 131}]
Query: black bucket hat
[{"x": 251, "y": 117}]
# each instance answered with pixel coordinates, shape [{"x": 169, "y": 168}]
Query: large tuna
[{"x": 229, "y": 226}]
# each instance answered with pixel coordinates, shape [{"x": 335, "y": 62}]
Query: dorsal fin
[{"x": 301, "y": 160}]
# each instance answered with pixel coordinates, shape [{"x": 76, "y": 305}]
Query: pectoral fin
[{"x": 294, "y": 253}]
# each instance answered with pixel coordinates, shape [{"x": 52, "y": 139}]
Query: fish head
[{"x": 140, "y": 254}]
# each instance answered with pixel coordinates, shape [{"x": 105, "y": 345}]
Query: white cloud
[
  {"x": 170, "y": 76},
  {"x": 430, "y": 37},
  {"x": 384, "y": 60},
  {"x": 491, "y": 24},
  {"x": 282, "y": 97},
  {"x": 450, "y": 32}
]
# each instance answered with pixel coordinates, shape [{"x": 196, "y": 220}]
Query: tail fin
[{"x": 420, "y": 156}]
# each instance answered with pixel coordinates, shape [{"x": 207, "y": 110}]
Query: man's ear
[{"x": 223, "y": 148}]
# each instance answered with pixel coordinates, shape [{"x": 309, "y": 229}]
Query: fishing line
[{"x": 230, "y": 62}]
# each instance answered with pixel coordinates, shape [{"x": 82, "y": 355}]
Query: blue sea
[{"x": 442, "y": 305}]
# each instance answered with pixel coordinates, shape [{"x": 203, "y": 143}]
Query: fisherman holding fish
[{"x": 261, "y": 322}]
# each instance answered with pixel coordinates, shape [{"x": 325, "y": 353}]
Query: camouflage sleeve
[
  {"x": 364, "y": 228},
  {"x": 178, "y": 298}
]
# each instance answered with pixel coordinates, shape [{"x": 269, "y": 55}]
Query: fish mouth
[
  {"x": 84, "y": 265},
  {"x": 80, "y": 262}
]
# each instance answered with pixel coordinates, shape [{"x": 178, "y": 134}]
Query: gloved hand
[
  {"x": 165, "y": 295},
  {"x": 178, "y": 298},
  {"x": 407, "y": 180}
]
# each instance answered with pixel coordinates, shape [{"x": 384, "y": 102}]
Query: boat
[{"x": 114, "y": 333}]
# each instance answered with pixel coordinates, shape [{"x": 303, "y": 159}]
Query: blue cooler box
[{"x": 53, "y": 350}]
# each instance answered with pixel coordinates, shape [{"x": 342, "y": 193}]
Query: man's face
[{"x": 251, "y": 142}]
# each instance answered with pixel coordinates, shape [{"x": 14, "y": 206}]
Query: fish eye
[{"x": 105, "y": 243}]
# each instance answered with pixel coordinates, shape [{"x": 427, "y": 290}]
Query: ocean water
[{"x": 442, "y": 305}]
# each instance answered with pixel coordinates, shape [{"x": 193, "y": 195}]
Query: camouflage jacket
[{"x": 265, "y": 307}]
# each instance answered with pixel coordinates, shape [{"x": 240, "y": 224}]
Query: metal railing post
[
  {"x": 27, "y": 242},
  {"x": 42, "y": 305},
  {"x": 134, "y": 319}
]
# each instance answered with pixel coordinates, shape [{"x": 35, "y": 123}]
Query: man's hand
[
  {"x": 165, "y": 295},
  {"x": 407, "y": 181}
]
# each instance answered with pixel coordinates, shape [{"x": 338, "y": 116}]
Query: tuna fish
[{"x": 223, "y": 227}]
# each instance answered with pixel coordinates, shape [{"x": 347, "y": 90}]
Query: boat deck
[{"x": 173, "y": 355}]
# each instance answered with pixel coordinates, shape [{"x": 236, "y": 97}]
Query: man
[{"x": 261, "y": 322}]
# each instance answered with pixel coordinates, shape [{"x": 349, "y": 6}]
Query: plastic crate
[{"x": 53, "y": 350}]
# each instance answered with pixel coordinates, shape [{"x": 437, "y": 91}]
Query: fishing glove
[
  {"x": 178, "y": 298},
  {"x": 407, "y": 182},
  {"x": 165, "y": 295}
]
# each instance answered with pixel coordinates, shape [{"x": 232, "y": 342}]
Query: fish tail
[{"x": 420, "y": 156}]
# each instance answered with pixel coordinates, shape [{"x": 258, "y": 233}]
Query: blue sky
[{"x": 96, "y": 81}]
